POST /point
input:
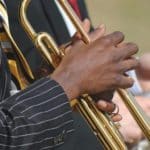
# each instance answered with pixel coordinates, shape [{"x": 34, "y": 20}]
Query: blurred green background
[{"x": 129, "y": 16}]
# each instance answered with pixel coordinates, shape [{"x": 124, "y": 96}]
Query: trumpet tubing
[
  {"x": 18, "y": 65},
  {"x": 102, "y": 126},
  {"x": 140, "y": 117}
]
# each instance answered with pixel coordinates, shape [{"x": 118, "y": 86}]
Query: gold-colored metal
[
  {"x": 45, "y": 44},
  {"x": 19, "y": 61},
  {"x": 13, "y": 67},
  {"x": 140, "y": 117},
  {"x": 101, "y": 123},
  {"x": 137, "y": 112}
]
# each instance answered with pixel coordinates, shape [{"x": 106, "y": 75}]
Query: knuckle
[
  {"x": 133, "y": 46},
  {"x": 119, "y": 34},
  {"x": 117, "y": 79},
  {"x": 107, "y": 41},
  {"x": 125, "y": 83},
  {"x": 115, "y": 57},
  {"x": 130, "y": 82}
]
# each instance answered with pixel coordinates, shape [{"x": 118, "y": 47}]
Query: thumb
[
  {"x": 86, "y": 25},
  {"x": 98, "y": 32}
]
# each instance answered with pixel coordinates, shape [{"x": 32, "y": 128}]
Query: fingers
[
  {"x": 105, "y": 106},
  {"x": 123, "y": 52},
  {"x": 109, "y": 107},
  {"x": 123, "y": 81},
  {"x": 116, "y": 118},
  {"x": 113, "y": 39},
  {"x": 86, "y": 25},
  {"x": 98, "y": 32},
  {"x": 128, "y": 64},
  {"x": 126, "y": 50}
]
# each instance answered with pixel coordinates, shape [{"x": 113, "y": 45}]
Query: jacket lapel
[
  {"x": 83, "y": 9},
  {"x": 56, "y": 21}
]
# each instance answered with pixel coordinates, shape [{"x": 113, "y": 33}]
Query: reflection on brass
[
  {"x": 102, "y": 126},
  {"x": 16, "y": 73},
  {"x": 19, "y": 67},
  {"x": 19, "y": 53},
  {"x": 141, "y": 118}
]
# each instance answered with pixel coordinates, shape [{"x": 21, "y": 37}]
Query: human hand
[
  {"x": 96, "y": 67},
  {"x": 128, "y": 127},
  {"x": 46, "y": 69},
  {"x": 86, "y": 24},
  {"x": 109, "y": 107}
]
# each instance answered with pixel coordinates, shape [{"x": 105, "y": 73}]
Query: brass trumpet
[
  {"x": 140, "y": 117},
  {"x": 18, "y": 65},
  {"x": 101, "y": 124}
]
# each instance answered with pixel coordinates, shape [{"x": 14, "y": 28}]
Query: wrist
[{"x": 69, "y": 86}]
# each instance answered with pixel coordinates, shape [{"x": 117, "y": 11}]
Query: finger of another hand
[
  {"x": 106, "y": 106},
  {"x": 116, "y": 117},
  {"x": 109, "y": 107}
]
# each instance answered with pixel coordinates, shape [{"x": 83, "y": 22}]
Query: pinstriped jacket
[
  {"x": 46, "y": 11},
  {"x": 38, "y": 118}
]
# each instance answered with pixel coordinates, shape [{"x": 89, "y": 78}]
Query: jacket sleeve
[{"x": 39, "y": 117}]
